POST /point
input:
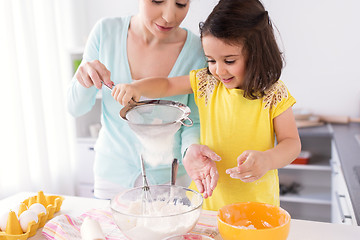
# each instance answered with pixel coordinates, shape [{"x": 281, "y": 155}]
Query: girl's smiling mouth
[{"x": 227, "y": 80}]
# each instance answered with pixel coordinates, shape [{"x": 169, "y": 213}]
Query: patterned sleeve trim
[
  {"x": 275, "y": 95},
  {"x": 206, "y": 85}
]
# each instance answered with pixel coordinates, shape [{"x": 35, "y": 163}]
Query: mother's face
[{"x": 163, "y": 16}]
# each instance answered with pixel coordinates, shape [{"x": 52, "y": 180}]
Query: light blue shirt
[{"x": 117, "y": 148}]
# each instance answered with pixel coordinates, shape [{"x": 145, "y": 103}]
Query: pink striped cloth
[{"x": 64, "y": 227}]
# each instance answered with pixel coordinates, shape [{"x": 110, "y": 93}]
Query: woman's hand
[
  {"x": 252, "y": 165},
  {"x": 93, "y": 73},
  {"x": 123, "y": 93},
  {"x": 200, "y": 166}
]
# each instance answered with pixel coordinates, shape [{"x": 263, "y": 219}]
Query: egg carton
[{"x": 13, "y": 231}]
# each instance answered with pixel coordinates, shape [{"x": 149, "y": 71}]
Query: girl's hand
[
  {"x": 252, "y": 165},
  {"x": 93, "y": 73},
  {"x": 123, "y": 93},
  {"x": 200, "y": 166}
]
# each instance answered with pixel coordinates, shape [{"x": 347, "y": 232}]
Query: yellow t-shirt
[{"x": 231, "y": 124}]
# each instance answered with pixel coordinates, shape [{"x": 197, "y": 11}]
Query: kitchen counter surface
[{"x": 299, "y": 229}]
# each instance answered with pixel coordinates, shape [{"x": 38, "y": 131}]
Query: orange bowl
[{"x": 253, "y": 221}]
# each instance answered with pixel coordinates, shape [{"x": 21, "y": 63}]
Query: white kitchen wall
[{"x": 320, "y": 39}]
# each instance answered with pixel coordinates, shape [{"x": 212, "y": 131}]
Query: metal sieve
[
  {"x": 153, "y": 118},
  {"x": 155, "y": 123}
]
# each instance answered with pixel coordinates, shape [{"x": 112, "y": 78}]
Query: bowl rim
[
  {"x": 288, "y": 216},
  {"x": 149, "y": 216}
]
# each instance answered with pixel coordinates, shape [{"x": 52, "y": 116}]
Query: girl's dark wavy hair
[{"x": 246, "y": 23}]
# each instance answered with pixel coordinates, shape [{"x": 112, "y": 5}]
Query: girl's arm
[
  {"x": 252, "y": 165},
  {"x": 154, "y": 87},
  {"x": 288, "y": 141}
]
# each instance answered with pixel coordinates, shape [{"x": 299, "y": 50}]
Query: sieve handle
[
  {"x": 110, "y": 87},
  {"x": 182, "y": 121}
]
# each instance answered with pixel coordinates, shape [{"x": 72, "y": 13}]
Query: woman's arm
[
  {"x": 154, "y": 87},
  {"x": 81, "y": 95}
]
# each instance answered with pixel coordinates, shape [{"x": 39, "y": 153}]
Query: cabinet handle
[
  {"x": 91, "y": 148},
  {"x": 342, "y": 216},
  {"x": 333, "y": 166}
]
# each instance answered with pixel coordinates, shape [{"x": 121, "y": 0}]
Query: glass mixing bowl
[{"x": 164, "y": 211}]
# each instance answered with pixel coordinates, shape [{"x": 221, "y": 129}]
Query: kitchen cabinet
[
  {"x": 323, "y": 195},
  {"x": 348, "y": 150},
  {"x": 312, "y": 201},
  {"x": 84, "y": 167},
  {"x": 341, "y": 211},
  {"x": 85, "y": 153}
]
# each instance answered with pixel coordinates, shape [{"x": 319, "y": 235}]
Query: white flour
[
  {"x": 155, "y": 126},
  {"x": 246, "y": 227},
  {"x": 157, "y": 150},
  {"x": 160, "y": 227},
  {"x": 158, "y": 142},
  {"x": 265, "y": 224}
]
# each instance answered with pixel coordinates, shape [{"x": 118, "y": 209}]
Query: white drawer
[{"x": 85, "y": 161}]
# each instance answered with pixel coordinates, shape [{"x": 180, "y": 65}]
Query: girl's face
[
  {"x": 162, "y": 17},
  {"x": 226, "y": 62}
]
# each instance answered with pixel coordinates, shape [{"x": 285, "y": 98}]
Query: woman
[{"x": 121, "y": 50}]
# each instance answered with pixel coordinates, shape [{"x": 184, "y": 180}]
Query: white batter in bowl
[{"x": 174, "y": 210}]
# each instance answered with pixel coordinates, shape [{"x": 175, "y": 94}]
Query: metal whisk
[
  {"x": 146, "y": 197},
  {"x": 174, "y": 170}
]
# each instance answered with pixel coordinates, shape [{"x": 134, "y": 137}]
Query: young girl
[{"x": 242, "y": 105}]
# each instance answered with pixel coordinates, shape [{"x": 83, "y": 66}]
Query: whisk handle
[
  {"x": 143, "y": 171},
  {"x": 174, "y": 170}
]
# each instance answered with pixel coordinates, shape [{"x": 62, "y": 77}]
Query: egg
[
  {"x": 26, "y": 217},
  {"x": 18, "y": 209},
  {"x": 3, "y": 220},
  {"x": 12, "y": 224},
  {"x": 38, "y": 208}
]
